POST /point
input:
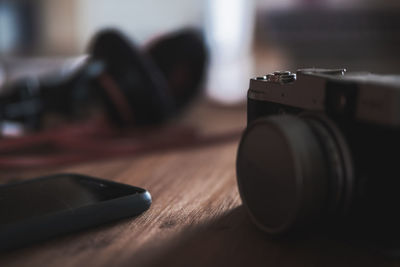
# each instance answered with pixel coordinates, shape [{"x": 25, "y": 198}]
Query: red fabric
[{"x": 94, "y": 140}]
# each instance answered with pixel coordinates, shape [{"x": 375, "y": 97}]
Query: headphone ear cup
[
  {"x": 132, "y": 87},
  {"x": 182, "y": 58}
]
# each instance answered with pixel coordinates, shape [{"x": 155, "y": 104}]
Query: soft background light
[{"x": 245, "y": 38}]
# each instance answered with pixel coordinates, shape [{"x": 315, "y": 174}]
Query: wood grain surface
[{"x": 196, "y": 218}]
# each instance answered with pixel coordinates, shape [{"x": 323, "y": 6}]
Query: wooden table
[{"x": 196, "y": 218}]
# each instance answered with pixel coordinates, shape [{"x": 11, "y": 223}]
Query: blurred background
[{"x": 245, "y": 38}]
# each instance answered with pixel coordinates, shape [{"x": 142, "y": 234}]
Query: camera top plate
[{"x": 366, "y": 97}]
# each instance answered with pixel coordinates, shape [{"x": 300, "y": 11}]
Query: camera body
[{"x": 321, "y": 148}]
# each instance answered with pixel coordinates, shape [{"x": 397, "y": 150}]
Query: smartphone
[{"x": 46, "y": 207}]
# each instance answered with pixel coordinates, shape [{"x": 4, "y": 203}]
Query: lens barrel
[{"x": 292, "y": 171}]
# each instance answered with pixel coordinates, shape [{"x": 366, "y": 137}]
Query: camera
[{"x": 321, "y": 150}]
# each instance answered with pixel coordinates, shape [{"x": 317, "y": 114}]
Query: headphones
[{"x": 134, "y": 86}]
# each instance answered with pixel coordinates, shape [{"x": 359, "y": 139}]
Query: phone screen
[{"x": 39, "y": 197}]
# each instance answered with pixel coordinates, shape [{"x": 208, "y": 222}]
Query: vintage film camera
[{"x": 322, "y": 148}]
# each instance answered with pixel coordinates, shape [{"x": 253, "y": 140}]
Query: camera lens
[{"x": 292, "y": 171}]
